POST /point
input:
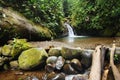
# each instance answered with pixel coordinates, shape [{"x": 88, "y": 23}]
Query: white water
[{"x": 70, "y": 30}]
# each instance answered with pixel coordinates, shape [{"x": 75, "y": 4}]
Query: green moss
[
  {"x": 31, "y": 58},
  {"x": 6, "y": 50}
]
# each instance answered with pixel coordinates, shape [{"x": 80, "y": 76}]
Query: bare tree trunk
[
  {"x": 95, "y": 73},
  {"x": 114, "y": 68}
]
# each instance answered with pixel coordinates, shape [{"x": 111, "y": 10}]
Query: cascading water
[{"x": 70, "y": 30}]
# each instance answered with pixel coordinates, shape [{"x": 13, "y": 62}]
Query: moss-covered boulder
[
  {"x": 70, "y": 53},
  {"x": 6, "y": 50},
  {"x": 13, "y": 24},
  {"x": 15, "y": 48},
  {"x": 54, "y": 52},
  {"x": 31, "y": 58}
]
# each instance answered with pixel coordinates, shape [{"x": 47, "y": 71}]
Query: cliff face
[{"x": 14, "y": 24}]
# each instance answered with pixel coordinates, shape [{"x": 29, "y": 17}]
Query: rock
[
  {"x": 51, "y": 60},
  {"x": 14, "y": 64},
  {"x": 31, "y": 58},
  {"x": 68, "y": 69},
  {"x": 55, "y": 76},
  {"x": 80, "y": 77},
  {"x": 50, "y": 68},
  {"x": 86, "y": 60},
  {"x": 1, "y": 61},
  {"x": 15, "y": 47},
  {"x": 6, "y": 50},
  {"x": 70, "y": 53},
  {"x": 54, "y": 52},
  {"x": 19, "y": 45},
  {"x": 59, "y": 63},
  {"x": 76, "y": 64}
]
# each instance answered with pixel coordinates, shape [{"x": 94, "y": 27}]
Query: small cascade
[{"x": 70, "y": 30}]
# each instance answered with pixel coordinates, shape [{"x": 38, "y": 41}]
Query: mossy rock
[
  {"x": 31, "y": 58},
  {"x": 6, "y": 50},
  {"x": 54, "y": 52},
  {"x": 70, "y": 53},
  {"x": 15, "y": 48}
]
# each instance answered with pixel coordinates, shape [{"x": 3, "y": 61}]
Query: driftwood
[
  {"x": 95, "y": 73},
  {"x": 114, "y": 68}
]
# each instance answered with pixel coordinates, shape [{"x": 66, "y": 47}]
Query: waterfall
[{"x": 70, "y": 30}]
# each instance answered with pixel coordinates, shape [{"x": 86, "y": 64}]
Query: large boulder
[
  {"x": 31, "y": 58},
  {"x": 13, "y": 24},
  {"x": 70, "y": 53}
]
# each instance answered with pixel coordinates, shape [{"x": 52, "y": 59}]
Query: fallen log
[
  {"x": 95, "y": 73},
  {"x": 115, "y": 70}
]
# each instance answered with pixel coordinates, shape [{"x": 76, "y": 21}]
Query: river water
[{"x": 89, "y": 42}]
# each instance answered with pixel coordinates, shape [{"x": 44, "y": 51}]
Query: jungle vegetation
[{"x": 87, "y": 17}]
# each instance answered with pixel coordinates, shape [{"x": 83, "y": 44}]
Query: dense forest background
[{"x": 87, "y": 17}]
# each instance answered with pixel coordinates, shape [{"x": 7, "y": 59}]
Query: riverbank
[{"x": 21, "y": 75}]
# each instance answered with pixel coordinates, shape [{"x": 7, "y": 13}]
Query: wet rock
[
  {"x": 68, "y": 69},
  {"x": 86, "y": 58},
  {"x": 14, "y": 64},
  {"x": 51, "y": 60},
  {"x": 49, "y": 68},
  {"x": 31, "y": 78},
  {"x": 31, "y": 58},
  {"x": 59, "y": 63},
  {"x": 54, "y": 52},
  {"x": 70, "y": 53},
  {"x": 6, "y": 50},
  {"x": 76, "y": 64},
  {"x": 80, "y": 77},
  {"x": 55, "y": 76}
]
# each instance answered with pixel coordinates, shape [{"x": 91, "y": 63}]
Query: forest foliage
[{"x": 97, "y": 15}]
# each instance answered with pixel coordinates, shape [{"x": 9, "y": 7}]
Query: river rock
[
  {"x": 86, "y": 58},
  {"x": 14, "y": 64},
  {"x": 70, "y": 53},
  {"x": 68, "y": 69},
  {"x": 59, "y": 63},
  {"x": 54, "y": 51},
  {"x": 76, "y": 64},
  {"x": 55, "y": 76},
  {"x": 6, "y": 50},
  {"x": 31, "y": 58},
  {"x": 51, "y": 60}
]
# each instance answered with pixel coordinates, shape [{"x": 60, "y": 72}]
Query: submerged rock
[{"x": 31, "y": 58}]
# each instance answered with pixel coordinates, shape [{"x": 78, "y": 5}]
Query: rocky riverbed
[{"x": 39, "y": 74}]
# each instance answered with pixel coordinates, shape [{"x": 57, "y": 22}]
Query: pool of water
[{"x": 89, "y": 42}]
